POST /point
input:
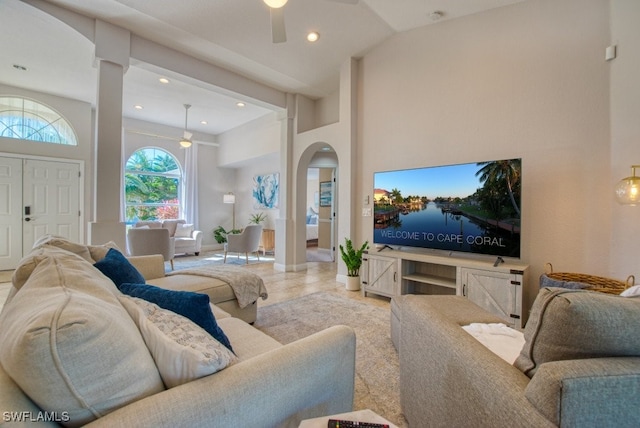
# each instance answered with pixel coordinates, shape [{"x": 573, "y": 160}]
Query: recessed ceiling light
[
  {"x": 163, "y": 80},
  {"x": 203, "y": 122},
  {"x": 240, "y": 104},
  {"x": 313, "y": 36},
  {"x": 436, "y": 15},
  {"x": 138, "y": 107},
  {"x": 19, "y": 67}
]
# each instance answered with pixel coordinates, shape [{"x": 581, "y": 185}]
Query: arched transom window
[
  {"x": 26, "y": 119},
  {"x": 152, "y": 186}
]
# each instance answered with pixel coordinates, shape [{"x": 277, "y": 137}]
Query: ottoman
[{"x": 219, "y": 292}]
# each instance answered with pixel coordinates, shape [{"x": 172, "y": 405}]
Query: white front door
[
  {"x": 41, "y": 197},
  {"x": 10, "y": 212},
  {"x": 51, "y": 200}
]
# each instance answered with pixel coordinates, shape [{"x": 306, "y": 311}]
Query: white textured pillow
[
  {"x": 182, "y": 350},
  {"x": 183, "y": 230}
]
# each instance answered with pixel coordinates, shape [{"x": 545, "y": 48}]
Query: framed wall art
[
  {"x": 265, "y": 191},
  {"x": 325, "y": 193}
]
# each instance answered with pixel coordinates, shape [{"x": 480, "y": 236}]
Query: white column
[
  {"x": 112, "y": 60},
  {"x": 285, "y": 245}
]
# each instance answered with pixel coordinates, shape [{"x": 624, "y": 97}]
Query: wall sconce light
[
  {"x": 230, "y": 198},
  {"x": 628, "y": 189}
]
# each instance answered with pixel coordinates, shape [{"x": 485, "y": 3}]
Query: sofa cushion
[
  {"x": 194, "y": 306},
  {"x": 182, "y": 350},
  {"x": 576, "y": 324},
  {"x": 50, "y": 244},
  {"x": 217, "y": 290},
  {"x": 99, "y": 252},
  {"x": 249, "y": 341},
  {"x": 70, "y": 345},
  {"x": 183, "y": 230},
  {"x": 117, "y": 268},
  {"x": 149, "y": 224}
]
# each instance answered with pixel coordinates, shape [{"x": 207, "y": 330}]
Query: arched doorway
[{"x": 316, "y": 203}]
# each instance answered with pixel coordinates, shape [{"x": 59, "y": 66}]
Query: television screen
[{"x": 472, "y": 207}]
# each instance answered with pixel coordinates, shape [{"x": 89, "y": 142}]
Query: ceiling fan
[
  {"x": 278, "y": 32},
  {"x": 185, "y": 141}
]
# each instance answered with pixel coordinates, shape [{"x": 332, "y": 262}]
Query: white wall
[
  {"x": 244, "y": 185},
  {"x": 250, "y": 150},
  {"x": 250, "y": 141},
  {"x": 528, "y": 81}
]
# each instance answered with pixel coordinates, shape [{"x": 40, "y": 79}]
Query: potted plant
[
  {"x": 353, "y": 259},
  {"x": 257, "y": 218},
  {"x": 220, "y": 234}
]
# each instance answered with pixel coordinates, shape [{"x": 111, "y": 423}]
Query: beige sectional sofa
[
  {"x": 73, "y": 353},
  {"x": 579, "y": 367}
]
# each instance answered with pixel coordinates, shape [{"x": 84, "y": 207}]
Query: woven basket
[{"x": 594, "y": 283}]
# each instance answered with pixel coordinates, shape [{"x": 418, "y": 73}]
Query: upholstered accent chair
[
  {"x": 248, "y": 241},
  {"x": 185, "y": 237},
  {"x": 144, "y": 241}
]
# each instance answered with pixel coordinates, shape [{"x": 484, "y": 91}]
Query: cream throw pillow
[
  {"x": 70, "y": 345},
  {"x": 183, "y": 230},
  {"x": 182, "y": 350}
]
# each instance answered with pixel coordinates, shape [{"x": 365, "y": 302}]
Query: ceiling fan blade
[
  {"x": 278, "y": 32},
  {"x": 345, "y": 1}
]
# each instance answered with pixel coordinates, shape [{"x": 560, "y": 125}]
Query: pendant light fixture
[
  {"x": 628, "y": 189},
  {"x": 185, "y": 141}
]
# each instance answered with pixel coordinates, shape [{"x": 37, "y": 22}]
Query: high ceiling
[{"x": 233, "y": 34}]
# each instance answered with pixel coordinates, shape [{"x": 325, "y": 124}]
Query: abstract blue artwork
[{"x": 265, "y": 191}]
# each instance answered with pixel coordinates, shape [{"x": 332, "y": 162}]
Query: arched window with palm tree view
[{"x": 152, "y": 186}]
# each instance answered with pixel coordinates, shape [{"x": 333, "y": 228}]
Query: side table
[
  {"x": 267, "y": 241},
  {"x": 359, "y": 415}
]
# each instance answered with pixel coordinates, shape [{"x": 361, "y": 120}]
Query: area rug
[
  {"x": 215, "y": 258},
  {"x": 377, "y": 368}
]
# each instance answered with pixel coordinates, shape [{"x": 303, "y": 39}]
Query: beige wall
[
  {"x": 625, "y": 133},
  {"x": 528, "y": 81}
]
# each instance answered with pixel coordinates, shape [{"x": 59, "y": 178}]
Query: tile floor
[{"x": 319, "y": 276}]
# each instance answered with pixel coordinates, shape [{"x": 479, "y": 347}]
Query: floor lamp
[{"x": 230, "y": 198}]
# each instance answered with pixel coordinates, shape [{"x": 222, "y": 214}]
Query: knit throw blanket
[{"x": 247, "y": 286}]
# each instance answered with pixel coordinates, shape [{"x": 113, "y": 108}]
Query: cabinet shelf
[{"x": 431, "y": 279}]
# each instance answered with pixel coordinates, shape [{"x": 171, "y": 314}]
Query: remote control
[{"x": 340, "y": 423}]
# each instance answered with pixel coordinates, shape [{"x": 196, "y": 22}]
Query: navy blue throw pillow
[
  {"x": 118, "y": 268},
  {"x": 194, "y": 306}
]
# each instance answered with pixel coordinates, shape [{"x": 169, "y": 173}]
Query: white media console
[{"x": 499, "y": 287}]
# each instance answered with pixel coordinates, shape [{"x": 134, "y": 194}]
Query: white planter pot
[{"x": 353, "y": 283}]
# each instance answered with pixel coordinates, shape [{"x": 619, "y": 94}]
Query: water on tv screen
[{"x": 472, "y": 207}]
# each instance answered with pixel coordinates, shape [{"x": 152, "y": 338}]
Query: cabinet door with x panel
[
  {"x": 497, "y": 292},
  {"x": 381, "y": 276}
]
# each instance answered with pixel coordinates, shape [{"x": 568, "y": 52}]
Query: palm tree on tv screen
[{"x": 506, "y": 171}]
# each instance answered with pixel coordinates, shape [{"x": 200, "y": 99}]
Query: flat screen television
[{"x": 469, "y": 208}]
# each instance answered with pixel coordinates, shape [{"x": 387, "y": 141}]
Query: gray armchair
[
  {"x": 146, "y": 241},
  {"x": 246, "y": 242}
]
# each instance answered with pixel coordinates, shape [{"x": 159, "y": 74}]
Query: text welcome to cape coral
[{"x": 443, "y": 237}]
